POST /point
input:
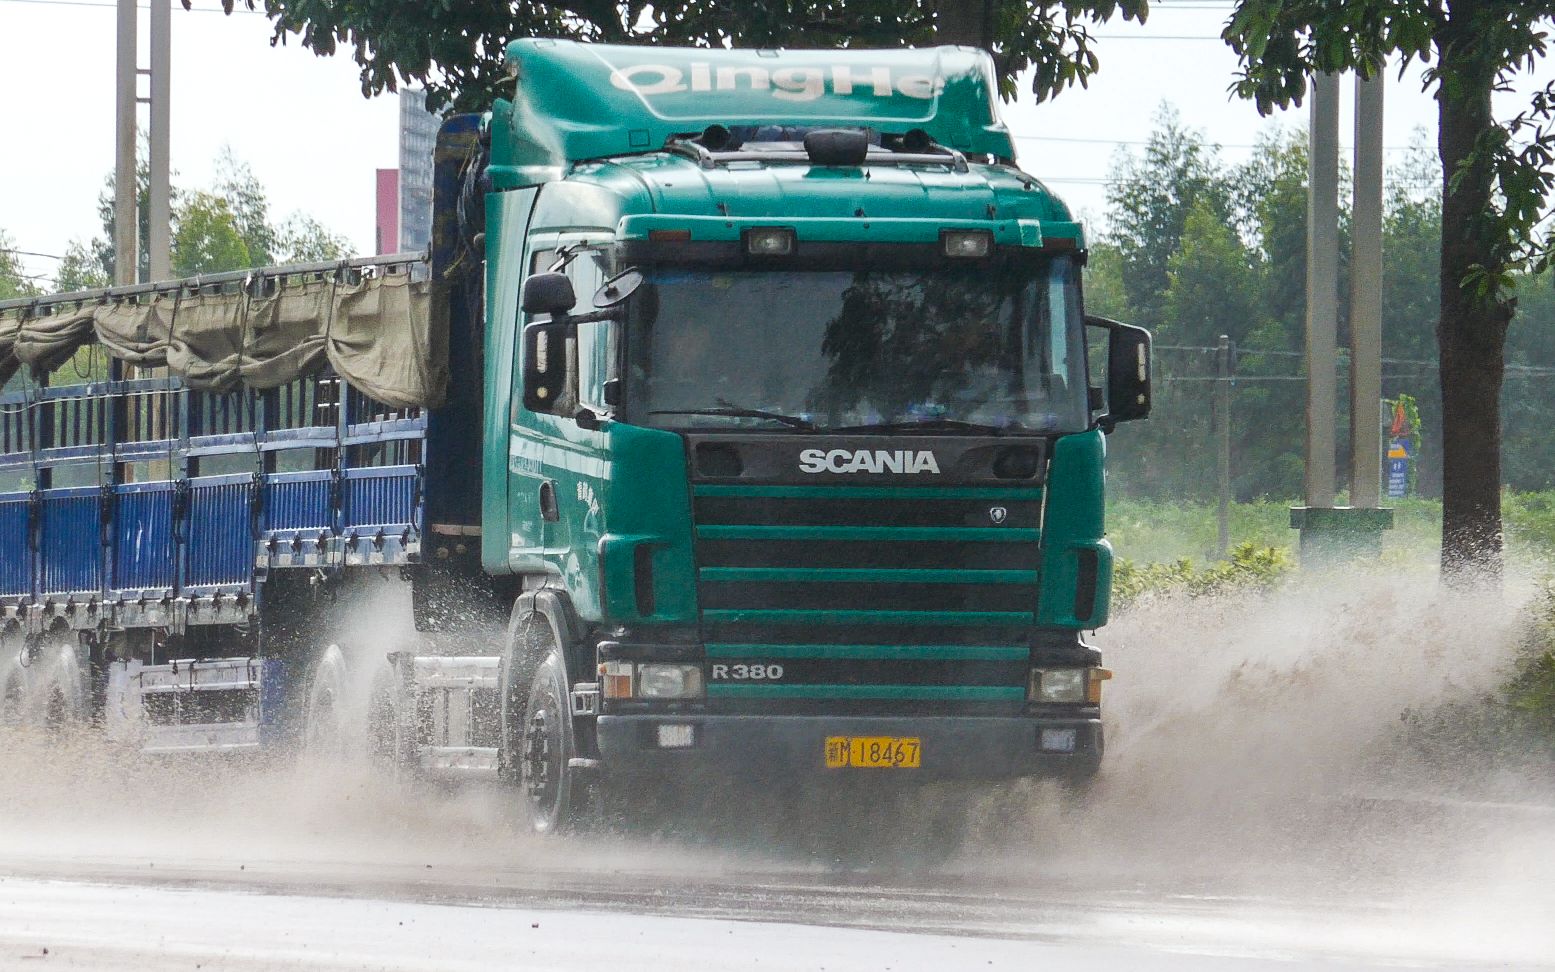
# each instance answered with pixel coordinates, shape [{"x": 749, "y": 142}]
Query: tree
[
  {"x": 1495, "y": 182},
  {"x": 14, "y": 279},
  {"x": 208, "y": 238},
  {"x": 1149, "y": 198},
  {"x": 228, "y": 227},
  {"x": 83, "y": 267},
  {"x": 454, "y": 48}
]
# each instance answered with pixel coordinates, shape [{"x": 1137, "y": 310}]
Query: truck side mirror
[
  {"x": 546, "y": 343},
  {"x": 545, "y": 363},
  {"x": 548, "y": 293},
  {"x": 1128, "y": 371}
]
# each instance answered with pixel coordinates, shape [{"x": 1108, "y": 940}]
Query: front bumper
[{"x": 781, "y": 747}]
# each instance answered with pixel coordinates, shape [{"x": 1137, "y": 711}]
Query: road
[
  {"x": 1310, "y": 779},
  {"x": 290, "y": 868}
]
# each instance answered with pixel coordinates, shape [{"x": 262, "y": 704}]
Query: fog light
[
  {"x": 1050, "y": 740},
  {"x": 769, "y": 241},
  {"x": 662, "y": 681},
  {"x": 683, "y": 737},
  {"x": 966, "y": 244},
  {"x": 1063, "y": 685}
]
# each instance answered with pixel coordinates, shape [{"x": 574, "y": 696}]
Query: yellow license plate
[{"x": 873, "y": 752}]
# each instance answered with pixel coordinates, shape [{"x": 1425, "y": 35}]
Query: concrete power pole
[
  {"x": 1366, "y": 299},
  {"x": 160, "y": 204},
  {"x": 126, "y": 216},
  {"x": 1322, "y": 289},
  {"x": 126, "y": 256},
  {"x": 1330, "y": 535}
]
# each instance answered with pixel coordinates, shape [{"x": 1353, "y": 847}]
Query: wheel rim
[{"x": 542, "y": 754}]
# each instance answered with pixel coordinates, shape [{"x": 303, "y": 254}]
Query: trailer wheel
[
  {"x": 325, "y": 726},
  {"x": 59, "y": 691},
  {"x": 13, "y": 683},
  {"x": 390, "y": 744},
  {"x": 553, "y": 796}
]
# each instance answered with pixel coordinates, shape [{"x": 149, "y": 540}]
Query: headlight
[
  {"x": 1066, "y": 685},
  {"x": 666, "y": 681}
]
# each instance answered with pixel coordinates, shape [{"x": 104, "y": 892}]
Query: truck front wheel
[{"x": 552, "y": 793}]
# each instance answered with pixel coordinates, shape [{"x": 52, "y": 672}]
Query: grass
[{"x": 1157, "y": 531}]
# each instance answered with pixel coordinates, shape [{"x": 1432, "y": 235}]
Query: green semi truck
[{"x": 758, "y": 431}]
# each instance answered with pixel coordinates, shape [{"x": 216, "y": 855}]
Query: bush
[
  {"x": 1249, "y": 565},
  {"x": 1532, "y": 689}
]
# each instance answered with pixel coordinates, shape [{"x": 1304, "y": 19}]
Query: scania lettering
[
  {"x": 742, "y": 421},
  {"x": 866, "y": 460}
]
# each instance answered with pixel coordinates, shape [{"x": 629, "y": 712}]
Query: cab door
[{"x": 556, "y": 465}]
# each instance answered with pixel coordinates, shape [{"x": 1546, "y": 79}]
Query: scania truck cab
[{"x": 805, "y": 436}]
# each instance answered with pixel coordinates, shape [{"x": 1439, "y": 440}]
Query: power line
[{"x": 50, "y": 256}]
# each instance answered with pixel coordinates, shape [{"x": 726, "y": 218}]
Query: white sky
[{"x": 301, "y": 122}]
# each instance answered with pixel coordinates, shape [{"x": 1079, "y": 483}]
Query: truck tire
[
  {"x": 391, "y": 746},
  {"x": 325, "y": 732},
  {"x": 62, "y": 698},
  {"x": 13, "y": 682},
  {"x": 553, "y": 796}
]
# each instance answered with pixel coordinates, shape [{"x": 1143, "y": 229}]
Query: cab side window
[{"x": 597, "y": 340}]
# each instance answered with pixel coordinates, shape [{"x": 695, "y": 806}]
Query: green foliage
[
  {"x": 454, "y": 47},
  {"x": 208, "y": 237},
  {"x": 1497, "y": 183},
  {"x": 1149, "y": 198},
  {"x": 1532, "y": 689},
  {"x": 83, "y": 268},
  {"x": 14, "y": 279},
  {"x": 303, "y": 239},
  {"x": 228, "y": 227},
  {"x": 245, "y": 198},
  {"x": 1148, "y": 531},
  {"x": 1249, "y": 565}
]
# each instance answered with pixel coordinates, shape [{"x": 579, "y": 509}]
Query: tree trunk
[
  {"x": 963, "y": 22},
  {"x": 1471, "y": 333}
]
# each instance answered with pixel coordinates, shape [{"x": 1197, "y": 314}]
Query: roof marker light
[
  {"x": 769, "y": 241},
  {"x": 966, "y": 244}
]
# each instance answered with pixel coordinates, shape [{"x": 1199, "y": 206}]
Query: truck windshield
[{"x": 975, "y": 349}]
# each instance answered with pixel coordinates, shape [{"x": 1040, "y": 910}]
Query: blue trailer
[{"x": 154, "y": 527}]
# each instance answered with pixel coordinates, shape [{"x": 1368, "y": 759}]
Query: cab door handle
[{"x": 548, "y": 508}]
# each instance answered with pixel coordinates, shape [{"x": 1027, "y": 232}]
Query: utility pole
[
  {"x": 126, "y": 215},
  {"x": 1322, "y": 289},
  {"x": 1223, "y": 362},
  {"x": 159, "y": 204},
  {"x": 126, "y": 258},
  {"x": 1366, "y": 298},
  {"x": 1330, "y": 535}
]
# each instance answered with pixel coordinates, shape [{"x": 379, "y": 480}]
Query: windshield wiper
[
  {"x": 792, "y": 421},
  {"x": 932, "y": 425}
]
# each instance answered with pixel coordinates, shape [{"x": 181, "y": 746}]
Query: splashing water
[{"x": 1326, "y": 743}]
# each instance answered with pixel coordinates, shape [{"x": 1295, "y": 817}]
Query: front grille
[{"x": 871, "y": 597}]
